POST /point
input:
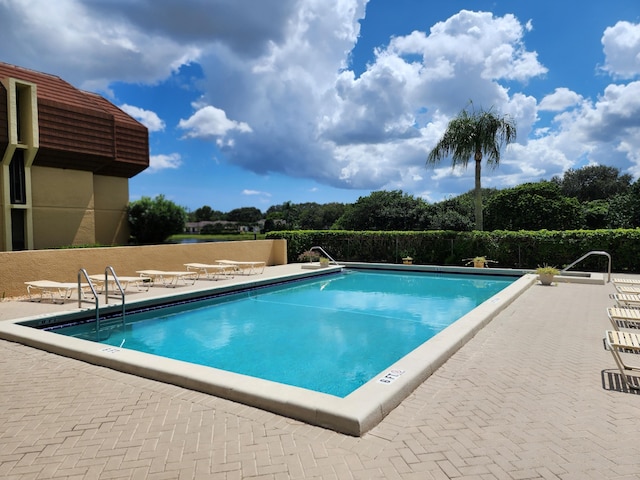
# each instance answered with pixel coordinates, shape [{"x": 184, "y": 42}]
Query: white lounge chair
[
  {"x": 627, "y": 288},
  {"x": 142, "y": 283},
  {"x": 621, "y": 317},
  {"x": 211, "y": 272},
  {"x": 244, "y": 267},
  {"x": 625, "y": 343},
  {"x": 56, "y": 290},
  {"x": 627, "y": 299},
  {"x": 169, "y": 279},
  {"x": 626, "y": 281}
]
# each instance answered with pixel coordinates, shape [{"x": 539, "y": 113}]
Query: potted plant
[
  {"x": 407, "y": 259},
  {"x": 546, "y": 274},
  {"x": 313, "y": 260},
  {"x": 479, "y": 262}
]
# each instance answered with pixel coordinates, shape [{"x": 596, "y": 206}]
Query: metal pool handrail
[
  {"x": 324, "y": 253},
  {"x": 593, "y": 252},
  {"x": 108, "y": 269},
  {"x": 82, "y": 272}
]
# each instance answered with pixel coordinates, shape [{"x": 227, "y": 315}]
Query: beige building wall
[
  {"x": 63, "y": 207},
  {"x": 3, "y": 226},
  {"x": 73, "y": 207},
  {"x": 111, "y": 197},
  {"x": 63, "y": 265}
]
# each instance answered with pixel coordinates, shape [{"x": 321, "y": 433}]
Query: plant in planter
[
  {"x": 324, "y": 261},
  {"x": 546, "y": 274},
  {"x": 407, "y": 259},
  {"x": 478, "y": 262},
  {"x": 309, "y": 256}
]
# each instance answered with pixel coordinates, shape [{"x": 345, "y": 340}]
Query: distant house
[
  {"x": 222, "y": 226},
  {"x": 196, "y": 227},
  {"x": 67, "y": 156}
]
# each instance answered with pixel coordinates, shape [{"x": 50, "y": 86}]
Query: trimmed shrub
[{"x": 521, "y": 249}]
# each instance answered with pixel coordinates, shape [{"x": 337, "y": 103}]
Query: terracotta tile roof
[{"x": 79, "y": 129}]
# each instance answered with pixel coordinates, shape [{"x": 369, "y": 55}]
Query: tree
[
  {"x": 153, "y": 221},
  {"x": 313, "y": 216},
  {"x": 624, "y": 208},
  {"x": 303, "y": 216},
  {"x": 244, "y": 215},
  {"x": 596, "y": 214},
  {"x": 593, "y": 182},
  {"x": 533, "y": 206},
  {"x": 332, "y": 212},
  {"x": 206, "y": 213},
  {"x": 456, "y": 213},
  {"x": 449, "y": 219},
  {"x": 384, "y": 210},
  {"x": 474, "y": 134},
  {"x": 310, "y": 217}
]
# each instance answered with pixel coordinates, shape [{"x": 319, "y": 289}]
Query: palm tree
[{"x": 474, "y": 134}]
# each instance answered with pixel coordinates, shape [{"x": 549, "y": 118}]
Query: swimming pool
[
  {"x": 354, "y": 414},
  {"x": 330, "y": 334}
]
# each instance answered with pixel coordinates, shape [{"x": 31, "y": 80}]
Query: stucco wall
[
  {"x": 63, "y": 265},
  {"x": 63, "y": 207},
  {"x": 73, "y": 207},
  {"x": 111, "y": 197}
]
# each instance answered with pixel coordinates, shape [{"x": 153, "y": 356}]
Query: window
[
  {"x": 17, "y": 184},
  {"x": 18, "y": 237}
]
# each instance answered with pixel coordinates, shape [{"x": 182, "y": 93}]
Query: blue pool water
[{"x": 330, "y": 334}]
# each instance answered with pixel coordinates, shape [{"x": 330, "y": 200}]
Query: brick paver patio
[{"x": 533, "y": 396}]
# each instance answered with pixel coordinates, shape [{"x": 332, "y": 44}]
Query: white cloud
[
  {"x": 605, "y": 132},
  {"x": 478, "y": 41},
  {"x": 148, "y": 118},
  {"x": 255, "y": 192},
  {"x": 87, "y": 46},
  {"x": 622, "y": 49},
  {"x": 210, "y": 123},
  {"x": 561, "y": 99},
  {"x": 367, "y": 131},
  {"x": 263, "y": 197},
  {"x": 616, "y": 114},
  {"x": 380, "y": 134},
  {"x": 278, "y": 94},
  {"x": 164, "y": 162}
]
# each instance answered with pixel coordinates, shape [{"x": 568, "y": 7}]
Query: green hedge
[{"x": 522, "y": 249}]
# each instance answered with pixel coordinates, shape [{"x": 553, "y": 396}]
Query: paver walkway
[{"x": 533, "y": 396}]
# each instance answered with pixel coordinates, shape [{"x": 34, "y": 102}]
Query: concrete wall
[{"x": 63, "y": 265}]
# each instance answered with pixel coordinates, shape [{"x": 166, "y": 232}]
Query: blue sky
[{"x": 255, "y": 103}]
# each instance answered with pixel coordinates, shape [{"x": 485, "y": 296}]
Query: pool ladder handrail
[
  {"x": 317, "y": 247},
  {"x": 593, "y": 252},
  {"x": 116, "y": 280},
  {"x": 108, "y": 269},
  {"x": 82, "y": 272}
]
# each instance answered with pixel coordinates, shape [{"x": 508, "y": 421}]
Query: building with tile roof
[{"x": 66, "y": 159}]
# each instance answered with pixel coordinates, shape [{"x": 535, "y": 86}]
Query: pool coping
[{"x": 354, "y": 414}]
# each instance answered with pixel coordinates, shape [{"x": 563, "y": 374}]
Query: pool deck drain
[{"x": 532, "y": 395}]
